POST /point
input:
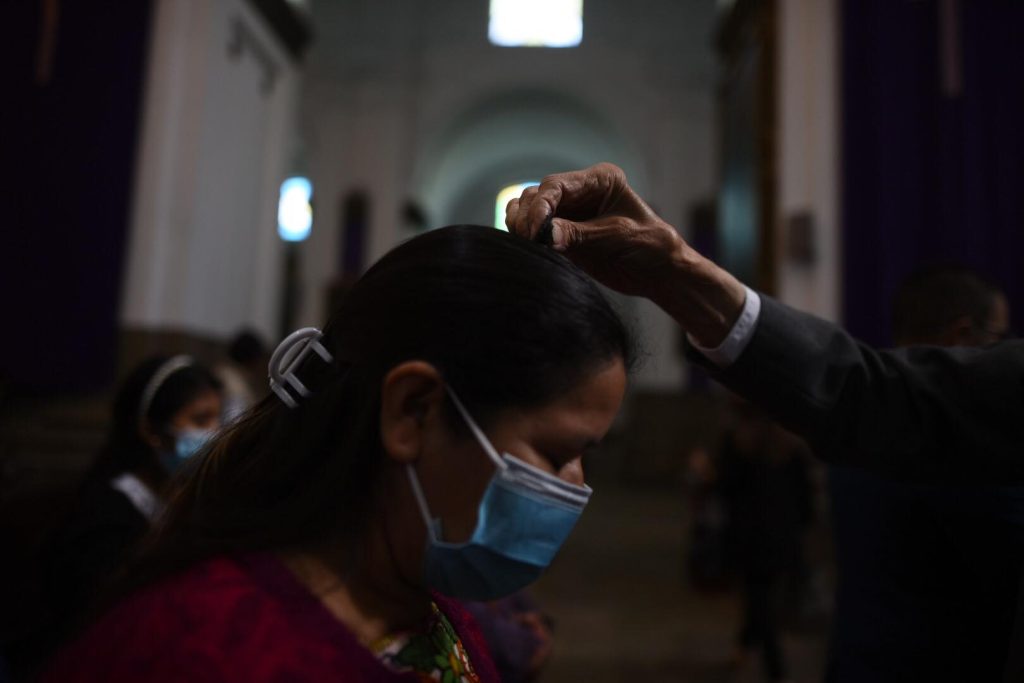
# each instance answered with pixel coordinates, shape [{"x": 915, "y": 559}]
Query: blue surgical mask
[
  {"x": 187, "y": 443},
  {"x": 523, "y": 519}
]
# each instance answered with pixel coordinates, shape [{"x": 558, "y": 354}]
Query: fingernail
[
  {"x": 558, "y": 238},
  {"x": 544, "y": 235}
]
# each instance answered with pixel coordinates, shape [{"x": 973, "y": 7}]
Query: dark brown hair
[{"x": 507, "y": 322}]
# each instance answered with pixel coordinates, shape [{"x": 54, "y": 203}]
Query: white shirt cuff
[{"x": 726, "y": 353}]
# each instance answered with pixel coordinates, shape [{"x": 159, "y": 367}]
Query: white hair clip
[{"x": 288, "y": 357}]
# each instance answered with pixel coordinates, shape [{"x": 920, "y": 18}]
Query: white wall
[
  {"x": 808, "y": 149},
  {"x": 218, "y": 132},
  {"x": 407, "y": 99}
]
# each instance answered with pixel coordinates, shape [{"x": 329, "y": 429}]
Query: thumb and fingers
[
  {"x": 578, "y": 195},
  {"x": 595, "y": 219},
  {"x": 566, "y": 234}
]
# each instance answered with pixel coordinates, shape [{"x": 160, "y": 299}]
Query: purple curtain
[
  {"x": 68, "y": 150},
  {"x": 933, "y": 148}
]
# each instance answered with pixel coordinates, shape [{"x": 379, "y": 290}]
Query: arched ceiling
[{"x": 510, "y": 137}]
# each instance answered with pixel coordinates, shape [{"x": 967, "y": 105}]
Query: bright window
[
  {"x": 294, "y": 211},
  {"x": 506, "y": 195},
  {"x": 536, "y": 23}
]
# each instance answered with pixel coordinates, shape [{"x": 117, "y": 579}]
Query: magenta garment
[{"x": 246, "y": 620}]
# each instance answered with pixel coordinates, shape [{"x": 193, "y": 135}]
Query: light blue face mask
[
  {"x": 523, "y": 519},
  {"x": 187, "y": 443}
]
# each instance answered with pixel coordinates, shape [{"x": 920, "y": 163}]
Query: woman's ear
[
  {"x": 149, "y": 435},
  {"x": 411, "y": 404}
]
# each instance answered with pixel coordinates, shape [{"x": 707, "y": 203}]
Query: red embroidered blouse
[{"x": 247, "y": 620}]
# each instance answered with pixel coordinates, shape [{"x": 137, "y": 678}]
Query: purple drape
[
  {"x": 68, "y": 150},
  {"x": 930, "y": 174}
]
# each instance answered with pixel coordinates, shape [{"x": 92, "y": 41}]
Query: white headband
[{"x": 170, "y": 366}]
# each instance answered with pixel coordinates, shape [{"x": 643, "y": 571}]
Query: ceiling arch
[{"x": 510, "y": 137}]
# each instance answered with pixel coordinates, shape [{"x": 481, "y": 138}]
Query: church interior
[{"x": 199, "y": 178}]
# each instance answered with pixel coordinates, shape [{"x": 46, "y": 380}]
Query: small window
[
  {"x": 506, "y": 195},
  {"x": 536, "y": 23},
  {"x": 294, "y": 210}
]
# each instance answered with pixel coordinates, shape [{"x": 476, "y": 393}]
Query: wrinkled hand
[{"x": 599, "y": 222}]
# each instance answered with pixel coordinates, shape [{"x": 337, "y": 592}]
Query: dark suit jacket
[
  {"x": 923, "y": 414},
  {"x": 927, "y": 575},
  {"x": 926, "y": 416}
]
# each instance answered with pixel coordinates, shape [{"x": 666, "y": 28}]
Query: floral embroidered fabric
[{"x": 434, "y": 653}]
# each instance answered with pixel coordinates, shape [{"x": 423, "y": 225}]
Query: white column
[
  {"x": 217, "y": 133},
  {"x": 808, "y": 150}
]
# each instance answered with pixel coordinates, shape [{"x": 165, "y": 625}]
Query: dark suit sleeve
[{"x": 927, "y": 413}]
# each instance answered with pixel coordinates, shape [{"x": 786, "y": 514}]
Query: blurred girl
[{"x": 165, "y": 410}]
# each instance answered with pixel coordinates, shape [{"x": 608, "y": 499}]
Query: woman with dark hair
[
  {"x": 426, "y": 447},
  {"x": 163, "y": 412}
]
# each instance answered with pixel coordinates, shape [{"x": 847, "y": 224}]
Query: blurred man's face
[
  {"x": 998, "y": 326},
  {"x": 965, "y": 331}
]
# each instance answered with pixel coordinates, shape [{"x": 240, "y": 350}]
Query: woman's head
[
  {"x": 527, "y": 341},
  {"x": 160, "y": 404},
  {"x": 508, "y": 323}
]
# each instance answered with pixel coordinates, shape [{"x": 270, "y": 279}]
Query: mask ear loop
[
  {"x": 421, "y": 500},
  {"x": 485, "y": 443},
  {"x": 414, "y": 481},
  {"x": 288, "y": 356}
]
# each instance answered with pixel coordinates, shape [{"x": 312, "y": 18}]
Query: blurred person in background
[
  {"x": 518, "y": 634},
  {"x": 164, "y": 412},
  {"x": 706, "y": 559},
  {"x": 243, "y": 374},
  {"x": 762, "y": 477},
  {"x": 927, "y": 574},
  {"x": 425, "y": 448}
]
